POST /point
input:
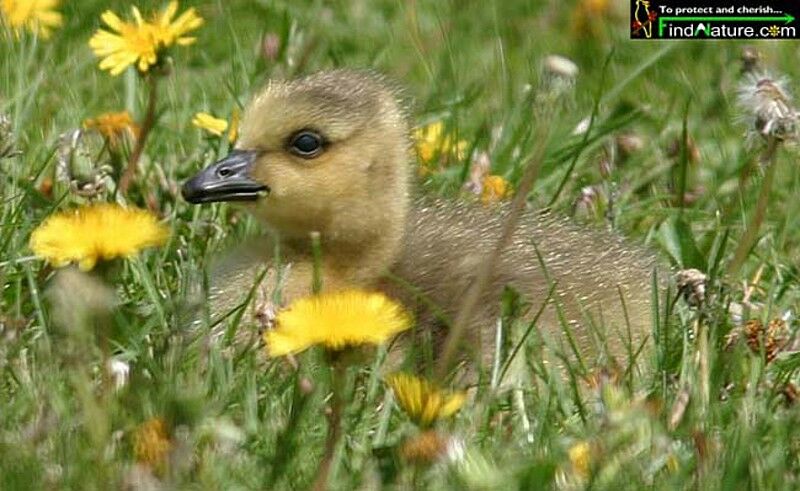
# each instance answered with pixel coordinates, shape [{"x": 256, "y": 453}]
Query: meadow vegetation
[{"x": 688, "y": 147}]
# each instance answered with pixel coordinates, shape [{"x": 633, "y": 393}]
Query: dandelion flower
[
  {"x": 336, "y": 321},
  {"x": 580, "y": 456},
  {"x": 423, "y": 401},
  {"x": 141, "y": 42},
  {"x": 494, "y": 189},
  {"x": 133, "y": 43},
  {"x": 209, "y": 123},
  {"x": 432, "y": 142},
  {"x": 233, "y": 129},
  {"x": 172, "y": 32},
  {"x": 113, "y": 125},
  {"x": 38, "y": 16},
  {"x": 96, "y": 232},
  {"x": 151, "y": 443}
]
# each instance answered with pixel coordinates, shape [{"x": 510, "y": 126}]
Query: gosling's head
[{"x": 326, "y": 153}]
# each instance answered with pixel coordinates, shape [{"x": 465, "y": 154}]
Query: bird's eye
[{"x": 306, "y": 144}]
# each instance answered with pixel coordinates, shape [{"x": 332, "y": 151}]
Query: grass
[{"x": 699, "y": 416}]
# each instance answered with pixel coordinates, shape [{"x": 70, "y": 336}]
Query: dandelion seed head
[{"x": 768, "y": 107}]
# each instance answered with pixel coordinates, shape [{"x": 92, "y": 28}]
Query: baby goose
[{"x": 330, "y": 153}]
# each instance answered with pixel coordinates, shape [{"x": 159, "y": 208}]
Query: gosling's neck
[
  {"x": 360, "y": 239},
  {"x": 357, "y": 252}
]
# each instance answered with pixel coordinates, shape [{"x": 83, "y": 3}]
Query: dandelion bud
[
  {"x": 81, "y": 163},
  {"x": 750, "y": 58},
  {"x": 271, "y": 46},
  {"x": 629, "y": 144},
  {"x": 306, "y": 386},
  {"x": 587, "y": 203}
]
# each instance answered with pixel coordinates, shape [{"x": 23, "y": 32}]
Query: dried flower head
[
  {"x": 772, "y": 339},
  {"x": 83, "y": 162},
  {"x": 478, "y": 170},
  {"x": 119, "y": 371},
  {"x": 337, "y": 321},
  {"x": 422, "y": 400},
  {"x": 692, "y": 285},
  {"x": 141, "y": 42},
  {"x": 96, "y": 232},
  {"x": 113, "y": 126},
  {"x": 588, "y": 203},
  {"x": 37, "y": 16},
  {"x": 152, "y": 444},
  {"x": 768, "y": 107}
]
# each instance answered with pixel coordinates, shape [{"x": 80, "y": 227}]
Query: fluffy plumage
[{"x": 357, "y": 195}]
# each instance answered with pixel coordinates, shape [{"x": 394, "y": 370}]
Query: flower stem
[
  {"x": 144, "y": 132},
  {"x": 487, "y": 267},
  {"x": 338, "y": 377},
  {"x": 751, "y": 232}
]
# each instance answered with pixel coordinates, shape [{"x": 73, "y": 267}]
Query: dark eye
[{"x": 306, "y": 144}]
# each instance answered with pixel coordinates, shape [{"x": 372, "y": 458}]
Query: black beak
[{"x": 226, "y": 180}]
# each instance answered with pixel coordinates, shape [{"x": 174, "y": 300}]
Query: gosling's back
[{"x": 601, "y": 284}]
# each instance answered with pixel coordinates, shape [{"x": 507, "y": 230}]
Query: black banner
[{"x": 714, "y": 19}]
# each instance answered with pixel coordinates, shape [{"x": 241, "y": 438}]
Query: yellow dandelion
[
  {"x": 580, "y": 457},
  {"x": 151, "y": 443},
  {"x": 133, "y": 43},
  {"x": 141, "y": 42},
  {"x": 589, "y": 16},
  {"x": 494, "y": 189},
  {"x": 38, "y": 16},
  {"x": 432, "y": 143},
  {"x": 336, "y": 321},
  {"x": 423, "y": 401},
  {"x": 96, "y": 232},
  {"x": 209, "y": 123},
  {"x": 172, "y": 32},
  {"x": 233, "y": 130},
  {"x": 113, "y": 125}
]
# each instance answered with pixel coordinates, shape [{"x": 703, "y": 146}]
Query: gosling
[{"x": 331, "y": 153}]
